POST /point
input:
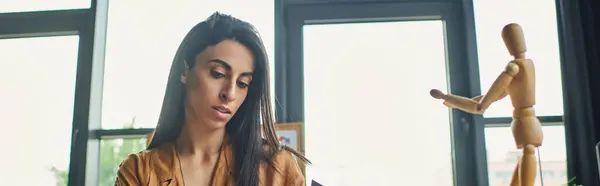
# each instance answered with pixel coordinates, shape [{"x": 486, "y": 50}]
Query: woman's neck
[{"x": 197, "y": 140}]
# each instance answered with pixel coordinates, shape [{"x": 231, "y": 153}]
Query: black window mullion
[
  {"x": 463, "y": 73},
  {"x": 88, "y": 150},
  {"x": 546, "y": 120},
  {"x": 280, "y": 62},
  {"x": 42, "y": 23},
  {"x": 291, "y": 68},
  {"x": 120, "y": 133},
  {"x": 477, "y": 128},
  {"x": 79, "y": 143}
]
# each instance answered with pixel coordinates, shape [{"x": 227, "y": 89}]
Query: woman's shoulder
[
  {"x": 287, "y": 168},
  {"x": 162, "y": 152},
  {"x": 284, "y": 156},
  {"x": 132, "y": 169},
  {"x": 136, "y": 168},
  {"x": 137, "y": 159}
]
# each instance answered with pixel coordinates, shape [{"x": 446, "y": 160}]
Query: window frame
[
  {"x": 550, "y": 120},
  {"x": 467, "y": 134},
  {"x": 505, "y": 121},
  {"x": 79, "y": 22},
  {"x": 90, "y": 25}
]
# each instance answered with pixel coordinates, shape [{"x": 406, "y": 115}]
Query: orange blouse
[{"x": 159, "y": 166}]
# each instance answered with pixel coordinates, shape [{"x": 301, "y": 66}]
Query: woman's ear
[{"x": 183, "y": 78}]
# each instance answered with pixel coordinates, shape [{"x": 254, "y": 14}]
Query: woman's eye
[
  {"x": 216, "y": 74},
  {"x": 242, "y": 84}
]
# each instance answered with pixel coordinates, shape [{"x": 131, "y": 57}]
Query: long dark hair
[{"x": 244, "y": 128}]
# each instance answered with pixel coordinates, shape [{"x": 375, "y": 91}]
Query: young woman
[{"x": 209, "y": 131}]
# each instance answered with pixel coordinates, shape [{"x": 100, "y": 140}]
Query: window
[
  {"x": 140, "y": 47},
  {"x": 366, "y": 86},
  {"x": 540, "y": 29},
  {"x": 37, "y": 76},
  {"x": 7, "y": 6},
  {"x": 112, "y": 153},
  {"x": 502, "y": 156},
  {"x": 541, "y": 35}
]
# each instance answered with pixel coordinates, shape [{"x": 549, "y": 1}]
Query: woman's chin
[{"x": 215, "y": 125}]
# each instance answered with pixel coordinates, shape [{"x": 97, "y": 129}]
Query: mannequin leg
[
  {"x": 527, "y": 166},
  {"x": 515, "y": 181}
]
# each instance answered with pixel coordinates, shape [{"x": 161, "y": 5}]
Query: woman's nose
[{"x": 228, "y": 93}]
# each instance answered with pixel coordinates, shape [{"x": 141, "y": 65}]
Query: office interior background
[{"x": 82, "y": 84}]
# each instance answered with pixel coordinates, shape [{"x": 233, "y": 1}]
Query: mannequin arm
[
  {"x": 498, "y": 88},
  {"x": 454, "y": 101},
  {"x": 462, "y": 103},
  {"x": 478, "y": 98}
]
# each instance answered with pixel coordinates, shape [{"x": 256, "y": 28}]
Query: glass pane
[
  {"x": 542, "y": 47},
  {"x": 141, "y": 44},
  {"x": 112, "y": 153},
  {"x": 502, "y": 156},
  {"x": 37, "y": 76},
  {"x": 356, "y": 93},
  {"x": 7, "y": 6}
]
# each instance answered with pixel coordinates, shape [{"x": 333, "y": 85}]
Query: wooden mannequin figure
[{"x": 518, "y": 82}]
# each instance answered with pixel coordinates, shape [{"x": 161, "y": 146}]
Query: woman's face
[{"x": 218, "y": 83}]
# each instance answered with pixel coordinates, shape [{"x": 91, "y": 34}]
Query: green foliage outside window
[{"x": 112, "y": 153}]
